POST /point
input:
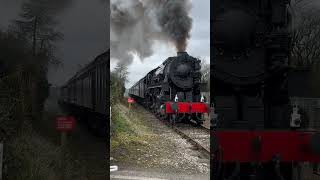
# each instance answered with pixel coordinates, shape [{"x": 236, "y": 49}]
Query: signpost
[
  {"x": 64, "y": 124},
  {"x": 130, "y": 101}
]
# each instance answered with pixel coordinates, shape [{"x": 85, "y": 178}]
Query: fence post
[{"x": 1, "y": 159}]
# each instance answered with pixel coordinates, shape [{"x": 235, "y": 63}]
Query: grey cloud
[
  {"x": 135, "y": 25},
  {"x": 85, "y": 25},
  {"x": 198, "y": 45},
  {"x": 86, "y": 34}
]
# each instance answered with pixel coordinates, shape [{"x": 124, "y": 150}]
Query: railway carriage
[{"x": 86, "y": 94}]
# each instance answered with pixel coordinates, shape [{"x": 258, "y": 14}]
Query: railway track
[{"x": 198, "y": 136}]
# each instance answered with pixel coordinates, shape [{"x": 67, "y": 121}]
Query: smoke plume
[
  {"x": 175, "y": 22},
  {"x": 136, "y": 24}
]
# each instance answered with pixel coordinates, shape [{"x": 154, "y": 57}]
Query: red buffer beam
[{"x": 263, "y": 146}]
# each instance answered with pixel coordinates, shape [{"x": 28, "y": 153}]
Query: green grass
[
  {"x": 120, "y": 124},
  {"x": 30, "y": 156},
  {"x": 130, "y": 137}
]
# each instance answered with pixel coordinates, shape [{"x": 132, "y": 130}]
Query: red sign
[
  {"x": 65, "y": 123},
  {"x": 131, "y": 100}
]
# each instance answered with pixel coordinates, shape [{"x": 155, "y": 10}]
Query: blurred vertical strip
[{"x": 107, "y": 2}]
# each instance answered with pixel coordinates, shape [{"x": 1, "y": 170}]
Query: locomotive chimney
[{"x": 181, "y": 53}]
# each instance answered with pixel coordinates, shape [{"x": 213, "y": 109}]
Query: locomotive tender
[
  {"x": 86, "y": 94},
  {"x": 258, "y": 134},
  {"x": 173, "y": 90}
]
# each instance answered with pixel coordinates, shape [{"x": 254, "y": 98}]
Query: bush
[{"x": 31, "y": 157}]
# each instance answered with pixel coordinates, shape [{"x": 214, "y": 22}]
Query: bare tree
[
  {"x": 301, "y": 4},
  {"x": 36, "y": 25},
  {"x": 306, "y": 33},
  {"x": 205, "y": 70},
  {"x": 118, "y": 79},
  {"x": 121, "y": 70}
]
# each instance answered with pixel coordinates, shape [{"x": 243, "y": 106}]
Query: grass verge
[
  {"x": 131, "y": 138},
  {"x": 30, "y": 156}
]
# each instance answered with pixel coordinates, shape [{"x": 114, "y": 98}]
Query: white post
[
  {"x": 1, "y": 159},
  {"x": 112, "y": 168}
]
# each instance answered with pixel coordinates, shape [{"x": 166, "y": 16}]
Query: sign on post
[
  {"x": 65, "y": 123},
  {"x": 130, "y": 101}
]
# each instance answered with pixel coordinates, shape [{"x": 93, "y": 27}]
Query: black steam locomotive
[
  {"x": 173, "y": 90},
  {"x": 86, "y": 94},
  {"x": 258, "y": 132}
]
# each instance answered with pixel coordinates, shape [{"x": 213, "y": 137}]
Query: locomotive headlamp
[
  {"x": 202, "y": 99},
  {"x": 213, "y": 116},
  {"x": 295, "y": 117},
  {"x": 176, "y": 99}
]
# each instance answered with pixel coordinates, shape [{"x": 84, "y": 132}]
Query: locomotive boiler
[
  {"x": 258, "y": 132},
  {"x": 173, "y": 90}
]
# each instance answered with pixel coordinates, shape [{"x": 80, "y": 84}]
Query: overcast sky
[
  {"x": 86, "y": 33},
  {"x": 198, "y": 46}
]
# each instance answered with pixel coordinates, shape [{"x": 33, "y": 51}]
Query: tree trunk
[{"x": 34, "y": 41}]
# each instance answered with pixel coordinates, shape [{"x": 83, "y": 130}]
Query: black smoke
[{"x": 135, "y": 25}]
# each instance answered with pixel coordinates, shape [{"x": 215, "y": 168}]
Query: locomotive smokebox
[{"x": 181, "y": 53}]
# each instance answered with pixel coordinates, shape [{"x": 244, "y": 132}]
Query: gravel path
[
  {"x": 168, "y": 151},
  {"x": 198, "y": 134}
]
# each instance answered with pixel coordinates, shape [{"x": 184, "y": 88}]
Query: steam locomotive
[
  {"x": 173, "y": 90},
  {"x": 258, "y": 131}
]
